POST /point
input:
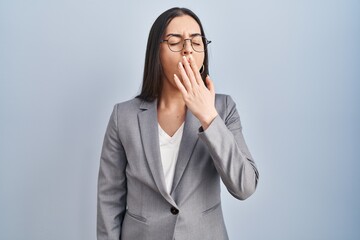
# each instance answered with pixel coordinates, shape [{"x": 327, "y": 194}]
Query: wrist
[{"x": 207, "y": 120}]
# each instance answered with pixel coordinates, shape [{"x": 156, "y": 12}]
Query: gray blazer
[{"x": 133, "y": 203}]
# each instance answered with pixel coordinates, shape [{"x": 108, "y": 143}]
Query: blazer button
[{"x": 174, "y": 210}]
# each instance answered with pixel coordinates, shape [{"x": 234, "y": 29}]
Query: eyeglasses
[{"x": 176, "y": 43}]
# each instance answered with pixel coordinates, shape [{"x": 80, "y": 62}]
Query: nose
[{"x": 187, "y": 49}]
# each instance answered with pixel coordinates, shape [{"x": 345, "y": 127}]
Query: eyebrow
[{"x": 179, "y": 35}]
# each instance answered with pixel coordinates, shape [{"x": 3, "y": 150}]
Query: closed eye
[{"x": 174, "y": 43}]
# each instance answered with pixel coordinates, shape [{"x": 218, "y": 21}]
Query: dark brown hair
[{"x": 153, "y": 73}]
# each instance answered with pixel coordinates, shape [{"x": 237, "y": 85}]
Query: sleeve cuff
[{"x": 216, "y": 124}]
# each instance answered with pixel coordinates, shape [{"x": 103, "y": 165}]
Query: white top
[{"x": 169, "y": 149}]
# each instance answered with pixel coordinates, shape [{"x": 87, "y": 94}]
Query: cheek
[
  {"x": 200, "y": 60},
  {"x": 170, "y": 65}
]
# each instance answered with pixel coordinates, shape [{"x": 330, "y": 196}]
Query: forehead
[{"x": 183, "y": 25}]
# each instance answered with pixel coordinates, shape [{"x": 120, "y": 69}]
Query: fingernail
[{"x": 180, "y": 64}]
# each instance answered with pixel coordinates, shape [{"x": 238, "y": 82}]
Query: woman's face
[{"x": 184, "y": 27}]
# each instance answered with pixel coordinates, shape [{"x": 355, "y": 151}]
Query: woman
[{"x": 165, "y": 151}]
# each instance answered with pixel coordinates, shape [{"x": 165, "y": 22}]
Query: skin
[{"x": 183, "y": 86}]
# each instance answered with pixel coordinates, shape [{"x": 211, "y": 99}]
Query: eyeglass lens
[{"x": 176, "y": 44}]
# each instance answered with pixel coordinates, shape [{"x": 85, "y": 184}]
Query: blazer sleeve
[
  {"x": 230, "y": 153},
  {"x": 111, "y": 197}
]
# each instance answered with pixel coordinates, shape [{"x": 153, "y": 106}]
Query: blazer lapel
[
  {"x": 150, "y": 140},
  {"x": 187, "y": 144}
]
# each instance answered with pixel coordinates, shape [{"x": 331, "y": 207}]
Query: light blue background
[{"x": 291, "y": 66}]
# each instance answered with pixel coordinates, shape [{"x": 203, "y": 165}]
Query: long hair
[{"x": 153, "y": 72}]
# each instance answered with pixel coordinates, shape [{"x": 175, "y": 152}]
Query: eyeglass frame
[{"x": 207, "y": 42}]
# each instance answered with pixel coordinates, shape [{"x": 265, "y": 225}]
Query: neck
[{"x": 171, "y": 99}]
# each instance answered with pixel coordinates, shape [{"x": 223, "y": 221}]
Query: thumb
[{"x": 210, "y": 84}]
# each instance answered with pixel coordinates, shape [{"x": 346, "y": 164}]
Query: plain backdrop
[{"x": 293, "y": 68}]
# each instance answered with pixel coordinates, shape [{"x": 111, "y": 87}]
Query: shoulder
[
  {"x": 223, "y": 101},
  {"x": 129, "y": 104},
  {"x": 226, "y": 108},
  {"x": 127, "y": 109}
]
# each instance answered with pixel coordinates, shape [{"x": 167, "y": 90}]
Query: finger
[
  {"x": 180, "y": 85},
  {"x": 184, "y": 77},
  {"x": 189, "y": 72},
  {"x": 196, "y": 71},
  {"x": 210, "y": 84}
]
